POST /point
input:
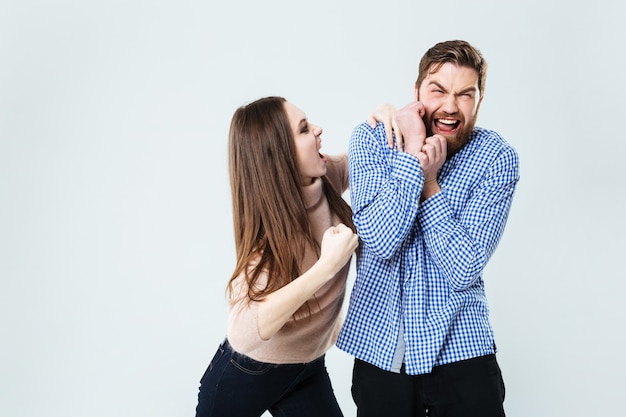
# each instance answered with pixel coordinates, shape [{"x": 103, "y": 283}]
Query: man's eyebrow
[
  {"x": 433, "y": 82},
  {"x": 471, "y": 89},
  {"x": 465, "y": 90}
]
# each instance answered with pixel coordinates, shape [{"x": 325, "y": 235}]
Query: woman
[{"x": 294, "y": 238}]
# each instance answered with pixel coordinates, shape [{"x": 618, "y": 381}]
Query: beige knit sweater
[{"x": 303, "y": 339}]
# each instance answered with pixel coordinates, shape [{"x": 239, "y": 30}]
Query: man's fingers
[{"x": 430, "y": 151}]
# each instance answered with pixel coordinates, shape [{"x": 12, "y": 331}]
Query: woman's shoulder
[{"x": 337, "y": 170}]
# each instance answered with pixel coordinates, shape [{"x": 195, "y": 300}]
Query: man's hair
[
  {"x": 270, "y": 219},
  {"x": 457, "y": 52}
]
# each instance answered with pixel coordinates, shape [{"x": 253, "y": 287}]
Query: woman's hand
[
  {"x": 338, "y": 244},
  {"x": 385, "y": 114}
]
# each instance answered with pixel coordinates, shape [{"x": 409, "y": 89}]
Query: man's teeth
[{"x": 447, "y": 121}]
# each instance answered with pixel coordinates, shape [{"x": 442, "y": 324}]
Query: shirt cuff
[
  {"x": 434, "y": 211},
  {"x": 407, "y": 167}
]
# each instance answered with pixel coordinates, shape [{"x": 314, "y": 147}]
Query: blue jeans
[{"x": 238, "y": 386}]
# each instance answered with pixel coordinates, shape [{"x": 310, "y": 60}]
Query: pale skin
[
  {"x": 446, "y": 105},
  {"x": 338, "y": 242},
  {"x": 308, "y": 141}
]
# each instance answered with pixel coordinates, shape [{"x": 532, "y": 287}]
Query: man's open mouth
[{"x": 447, "y": 125}]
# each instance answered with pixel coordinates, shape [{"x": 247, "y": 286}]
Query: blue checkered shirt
[{"x": 420, "y": 264}]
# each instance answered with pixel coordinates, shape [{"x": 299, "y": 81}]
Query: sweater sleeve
[
  {"x": 337, "y": 171},
  {"x": 243, "y": 325}
]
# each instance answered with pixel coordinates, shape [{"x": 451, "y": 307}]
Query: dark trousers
[
  {"x": 235, "y": 385},
  {"x": 469, "y": 388}
]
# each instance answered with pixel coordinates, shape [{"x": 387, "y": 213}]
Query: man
[{"x": 430, "y": 213}]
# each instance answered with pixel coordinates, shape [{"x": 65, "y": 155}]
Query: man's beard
[{"x": 458, "y": 140}]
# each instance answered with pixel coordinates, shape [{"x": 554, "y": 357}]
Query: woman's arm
[{"x": 338, "y": 244}]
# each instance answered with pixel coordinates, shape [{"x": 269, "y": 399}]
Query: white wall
[{"x": 115, "y": 224}]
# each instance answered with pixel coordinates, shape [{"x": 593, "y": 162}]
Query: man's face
[{"x": 451, "y": 98}]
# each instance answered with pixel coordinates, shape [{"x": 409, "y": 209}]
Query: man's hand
[
  {"x": 412, "y": 131},
  {"x": 431, "y": 158}
]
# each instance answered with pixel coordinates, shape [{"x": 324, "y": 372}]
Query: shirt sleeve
[
  {"x": 385, "y": 187},
  {"x": 460, "y": 243}
]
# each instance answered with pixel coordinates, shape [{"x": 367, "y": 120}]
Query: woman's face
[{"x": 308, "y": 142}]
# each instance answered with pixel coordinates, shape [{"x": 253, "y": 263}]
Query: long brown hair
[{"x": 270, "y": 220}]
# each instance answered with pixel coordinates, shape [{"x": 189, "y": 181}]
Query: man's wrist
[{"x": 431, "y": 187}]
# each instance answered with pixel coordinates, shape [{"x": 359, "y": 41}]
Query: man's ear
[{"x": 480, "y": 100}]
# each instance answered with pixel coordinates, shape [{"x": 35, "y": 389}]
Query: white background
[{"x": 115, "y": 224}]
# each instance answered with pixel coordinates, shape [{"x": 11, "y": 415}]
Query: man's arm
[
  {"x": 461, "y": 243},
  {"x": 385, "y": 188}
]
